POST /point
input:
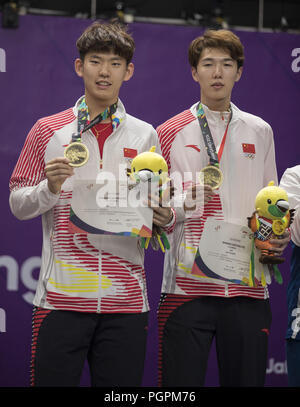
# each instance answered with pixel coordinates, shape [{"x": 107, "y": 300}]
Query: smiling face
[
  {"x": 103, "y": 75},
  {"x": 216, "y": 73}
]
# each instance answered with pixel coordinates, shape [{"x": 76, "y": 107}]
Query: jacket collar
[{"x": 237, "y": 114}]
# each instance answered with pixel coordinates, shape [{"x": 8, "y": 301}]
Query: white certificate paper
[
  {"x": 224, "y": 253},
  {"x": 104, "y": 208}
]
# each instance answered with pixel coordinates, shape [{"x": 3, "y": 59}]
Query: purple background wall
[{"x": 38, "y": 79}]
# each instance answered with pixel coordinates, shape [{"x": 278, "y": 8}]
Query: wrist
[
  {"x": 171, "y": 219},
  {"x": 53, "y": 190}
]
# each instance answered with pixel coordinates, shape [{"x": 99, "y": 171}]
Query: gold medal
[
  {"x": 77, "y": 153},
  {"x": 211, "y": 176},
  {"x": 278, "y": 227}
]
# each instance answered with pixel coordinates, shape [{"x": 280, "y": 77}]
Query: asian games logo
[
  {"x": 18, "y": 278},
  {"x": 23, "y": 274}
]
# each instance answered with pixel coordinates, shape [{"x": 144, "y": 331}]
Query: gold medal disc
[
  {"x": 278, "y": 227},
  {"x": 77, "y": 153},
  {"x": 212, "y": 176}
]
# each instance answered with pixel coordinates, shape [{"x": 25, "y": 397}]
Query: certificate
[
  {"x": 105, "y": 208},
  {"x": 224, "y": 253}
]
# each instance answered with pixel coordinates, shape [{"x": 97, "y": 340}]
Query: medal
[
  {"x": 278, "y": 227},
  {"x": 211, "y": 176},
  {"x": 77, "y": 153}
]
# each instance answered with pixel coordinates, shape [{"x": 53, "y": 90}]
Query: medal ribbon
[
  {"x": 83, "y": 119},
  {"x": 214, "y": 157}
]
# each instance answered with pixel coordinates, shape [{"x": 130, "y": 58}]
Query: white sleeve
[
  {"x": 270, "y": 171},
  {"x": 29, "y": 192},
  {"x": 29, "y": 202},
  {"x": 290, "y": 182}
]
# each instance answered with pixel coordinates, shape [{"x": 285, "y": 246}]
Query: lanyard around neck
[
  {"x": 214, "y": 157},
  {"x": 83, "y": 118}
]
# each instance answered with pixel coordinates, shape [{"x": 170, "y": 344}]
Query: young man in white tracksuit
[
  {"x": 91, "y": 300},
  {"x": 195, "y": 307}
]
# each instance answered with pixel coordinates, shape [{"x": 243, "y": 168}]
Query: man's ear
[
  {"x": 78, "y": 64},
  {"x": 194, "y": 74},
  {"x": 239, "y": 74},
  {"x": 129, "y": 71}
]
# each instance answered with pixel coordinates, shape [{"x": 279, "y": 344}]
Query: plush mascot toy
[
  {"x": 269, "y": 221},
  {"x": 150, "y": 166}
]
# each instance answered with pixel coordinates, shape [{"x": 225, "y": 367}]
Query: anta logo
[{"x": 194, "y": 146}]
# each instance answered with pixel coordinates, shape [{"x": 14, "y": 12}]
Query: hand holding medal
[
  {"x": 197, "y": 196},
  {"x": 57, "y": 171}
]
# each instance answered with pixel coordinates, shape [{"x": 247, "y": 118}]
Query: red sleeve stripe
[
  {"x": 29, "y": 170},
  {"x": 168, "y": 131}
]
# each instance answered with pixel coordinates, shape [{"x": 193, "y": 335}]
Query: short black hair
[{"x": 106, "y": 37}]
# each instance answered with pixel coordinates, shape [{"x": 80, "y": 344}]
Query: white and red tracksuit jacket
[
  {"x": 81, "y": 272},
  {"x": 247, "y": 163}
]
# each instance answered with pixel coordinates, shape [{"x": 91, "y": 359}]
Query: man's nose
[
  {"x": 104, "y": 70},
  {"x": 218, "y": 71}
]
